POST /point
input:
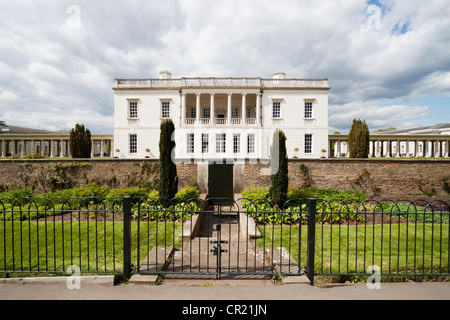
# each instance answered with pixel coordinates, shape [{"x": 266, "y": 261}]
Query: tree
[
  {"x": 80, "y": 142},
  {"x": 279, "y": 168},
  {"x": 358, "y": 139},
  {"x": 168, "y": 180}
]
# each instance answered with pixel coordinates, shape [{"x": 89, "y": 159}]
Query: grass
[
  {"x": 33, "y": 246},
  {"x": 350, "y": 249}
]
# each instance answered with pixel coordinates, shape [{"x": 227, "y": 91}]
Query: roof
[
  {"x": 434, "y": 129},
  {"x": 7, "y": 129}
]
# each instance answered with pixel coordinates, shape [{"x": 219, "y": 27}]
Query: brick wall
[{"x": 383, "y": 178}]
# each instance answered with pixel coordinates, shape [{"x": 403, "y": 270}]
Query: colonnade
[
  {"x": 51, "y": 145},
  {"x": 404, "y": 146}
]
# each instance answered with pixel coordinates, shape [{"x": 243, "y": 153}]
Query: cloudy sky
[{"x": 387, "y": 61}]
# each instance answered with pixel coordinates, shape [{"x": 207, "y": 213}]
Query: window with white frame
[
  {"x": 308, "y": 143},
  {"x": 206, "y": 113},
  {"x": 190, "y": 143},
  {"x": 205, "y": 142},
  {"x": 220, "y": 142},
  {"x": 235, "y": 113},
  {"x": 132, "y": 110},
  {"x": 248, "y": 113},
  {"x": 133, "y": 143},
  {"x": 276, "y": 110},
  {"x": 236, "y": 143},
  {"x": 251, "y": 143},
  {"x": 308, "y": 110},
  {"x": 165, "y": 109},
  {"x": 193, "y": 113}
]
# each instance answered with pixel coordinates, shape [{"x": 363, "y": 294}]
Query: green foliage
[
  {"x": 188, "y": 193},
  {"x": 279, "y": 162},
  {"x": 80, "y": 142},
  {"x": 168, "y": 180},
  {"x": 358, "y": 139}
]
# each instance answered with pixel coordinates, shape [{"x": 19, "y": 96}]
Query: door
[{"x": 220, "y": 180}]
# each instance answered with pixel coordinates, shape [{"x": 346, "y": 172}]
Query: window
[
  {"x": 133, "y": 143},
  {"x": 190, "y": 143},
  {"x": 235, "y": 113},
  {"x": 193, "y": 113},
  {"x": 205, "y": 143},
  {"x": 308, "y": 110},
  {"x": 308, "y": 143},
  {"x": 206, "y": 113},
  {"x": 276, "y": 110},
  {"x": 248, "y": 112},
  {"x": 236, "y": 143},
  {"x": 133, "y": 111},
  {"x": 220, "y": 142},
  {"x": 251, "y": 143},
  {"x": 165, "y": 110}
]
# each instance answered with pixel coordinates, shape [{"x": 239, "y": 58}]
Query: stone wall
[
  {"x": 377, "y": 178},
  {"x": 43, "y": 174},
  {"x": 381, "y": 178}
]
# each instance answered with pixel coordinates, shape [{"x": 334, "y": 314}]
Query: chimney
[
  {"x": 165, "y": 74},
  {"x": 279, "y": 75}
]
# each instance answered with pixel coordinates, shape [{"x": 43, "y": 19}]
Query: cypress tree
[
  {"x": 80, "y": 142},
  {"x": 279, "y": 165},
  {"x": 358, "y": 139},
  {"x": 168, "y": 180}
]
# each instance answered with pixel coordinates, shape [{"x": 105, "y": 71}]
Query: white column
[
  {"x": 229, "y": 109},
  {"x": 407, "y": 148},
  {"x": 244, "y": 104},
  {"x": 183, "y": 109},
  {"x": 447, "y": 149},
  {"x": 2, "y": 144},
  {"x": 258, "y": 108},
  {"x": 212, "y": 113},
  {"x": 102, "y": 147},
  {"x": 426, "y": 148},
  {"x": 13, "y": 148},
  {"x": 23, "y": 148},
  {"x": 197, "y": 110},
  {"x": 398, "y": 153},
  {"x": 338, "y": 148}
]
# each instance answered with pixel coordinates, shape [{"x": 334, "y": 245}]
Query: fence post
[
  {"x": 311, "y": 243},
  {"x": 127, "y": 237}
]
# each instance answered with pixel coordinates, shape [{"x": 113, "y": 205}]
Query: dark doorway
[{"x": 220, "y": 180}]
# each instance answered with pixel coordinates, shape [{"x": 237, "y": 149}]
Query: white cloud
[{"x": 48, "y": 65}]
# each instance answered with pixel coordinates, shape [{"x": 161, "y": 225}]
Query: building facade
[
  {"x": 20, "y": 141},
  {"x": 220, "y": 119}
]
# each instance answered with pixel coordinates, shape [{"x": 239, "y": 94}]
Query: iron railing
[{"x": 225, "y": 236}]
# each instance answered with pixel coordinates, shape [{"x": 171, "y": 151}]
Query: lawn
[
  {"x": 350, "y": 249},
  {"x": 53, "y": 246}
]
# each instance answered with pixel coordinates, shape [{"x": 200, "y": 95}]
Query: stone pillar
[
  {"x": 229, "y": 109},
  {"x": 212, "y": 112},
  {"x": 338, "y": 148},
  {"x": 258, "y": 108},
  {"x": 183, "y": 109},
  {"x": 244, "y": 105},
  {"x": 197, "y": 108},
  {"x": 13, "y": 148},
  {"x": 102, "y": 147},
  {"x": 447, "y": 149}
]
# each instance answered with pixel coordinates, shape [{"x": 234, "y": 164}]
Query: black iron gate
[{"x": 219, "y": 239}]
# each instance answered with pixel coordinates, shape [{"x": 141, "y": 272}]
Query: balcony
[
  {"x": 220, "y": 121},
  {"x": 184, "y": 83}
]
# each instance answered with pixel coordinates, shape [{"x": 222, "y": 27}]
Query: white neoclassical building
[{"x": 221, "y": 118}]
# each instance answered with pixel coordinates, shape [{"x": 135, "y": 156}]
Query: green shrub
[{"x": 188, "y": 193}]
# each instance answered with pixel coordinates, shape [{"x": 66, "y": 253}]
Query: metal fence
[{"x": 224, "y": 236}]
